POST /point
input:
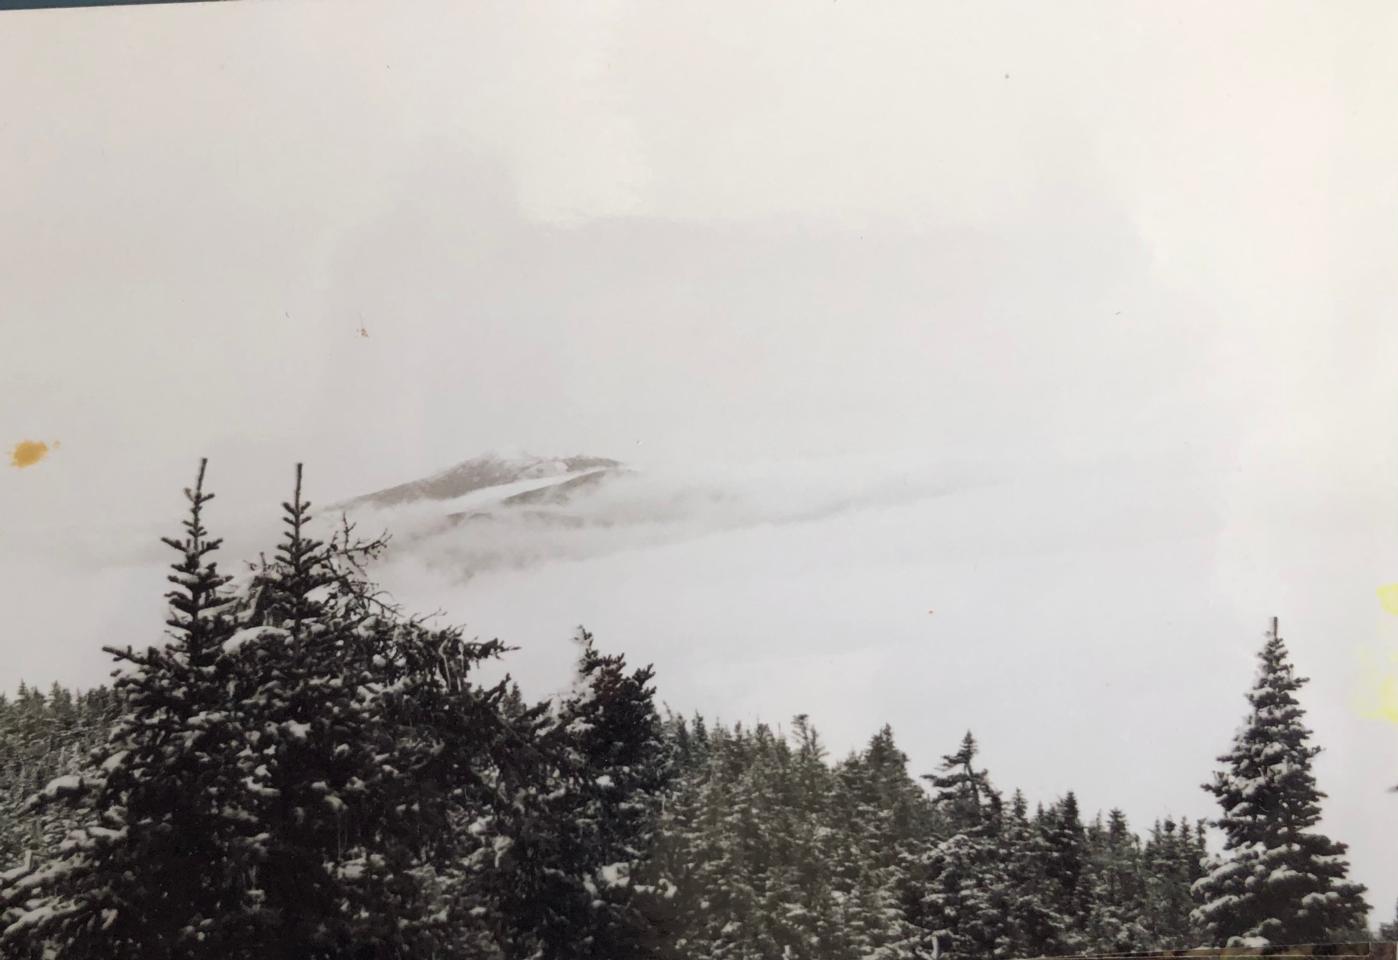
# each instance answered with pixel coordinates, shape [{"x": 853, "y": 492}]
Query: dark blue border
[{"x": 58, "y": 4}]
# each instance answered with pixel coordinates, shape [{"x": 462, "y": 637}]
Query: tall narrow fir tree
[{"x": 1278, "y": 880}]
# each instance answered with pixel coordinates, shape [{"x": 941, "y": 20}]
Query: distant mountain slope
[
  {"x": 480, "y": 473},
  {"x": 494, "y": 512},
  {"x": 560, "y": 493}
]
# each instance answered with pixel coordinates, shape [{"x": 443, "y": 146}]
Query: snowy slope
[
  {"x": 483, "y": 474},
  {"x": 491, "y": 512}
]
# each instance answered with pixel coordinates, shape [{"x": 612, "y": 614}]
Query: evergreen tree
[
  {"x": 1066, "y": 840},
  {"x": 576, "y": 884},
  {"x": 372, "y": 749},
  {"x": 968, "y": 890},
  {"x": 301, "y": 772},
  {"x": 42, "y": 738},
  {"x": 321, "y": 761},
  {"x": 148, "y": 869},
  {"x": 667, "y": 894},
  {"x": 1116, "y": 889},
  {"x": 620, "y": 747},
  {"x": 895, "y": 823},
  {"x": 728, "y": 857},
  {"x": 1037, "y": 928},
  {"x": 1278, "y": 880},
  {"x": 1172, "y": 858}
]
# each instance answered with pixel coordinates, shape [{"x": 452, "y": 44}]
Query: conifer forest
[{"x": 297, "y": 768}]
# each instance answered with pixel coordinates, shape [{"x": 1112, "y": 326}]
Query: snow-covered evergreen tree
[
  {"x": 967, "y": 894},
  {"x": 299, "y": 772},
  {"x": 1278, "y": 880},
  {"x": 611, "y": 769},
  {"x": 1066, "y": 839},
  {"x": 1173, "y": 861},
  {"x": 1037, "y": 928},
  {"x": 667, "y": 894},
  {"x": 386, "y": 780},
  {"x": 337, "y": 804},
  {"x": 41, "y": 738},
  {"x": 895, "y": 823},
  {"x": 729, "y": 856},
  {"x": 1116, "y": 889},
  {"x": 153, "y": 863}
]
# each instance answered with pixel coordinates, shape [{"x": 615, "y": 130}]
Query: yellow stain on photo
[
  {"x": 1385, "y": 705},
  {"x": 1377, "y": 698},
  {"x": 1388, "y": 596},
  {"x": 26, "y": 453}
]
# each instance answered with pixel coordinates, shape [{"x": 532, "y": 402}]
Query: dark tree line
[
  {"x": 301, "y": 770},
  {"x": 769, "y": 850},
  {"x": 42, "y": 737}
]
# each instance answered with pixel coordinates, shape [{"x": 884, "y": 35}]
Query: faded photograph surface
[{"x": 698, "y": 481}]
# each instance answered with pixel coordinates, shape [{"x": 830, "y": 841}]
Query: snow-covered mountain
[
  {"x": 492, "y": 512},
  {"x": 493, "y": 472},
  {"x": 517, "y": 493}
]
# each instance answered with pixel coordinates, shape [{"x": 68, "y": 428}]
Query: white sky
[{"x": 1133, "y": 262}]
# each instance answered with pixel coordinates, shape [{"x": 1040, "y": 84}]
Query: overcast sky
[{"x": 1125, "y": 272}]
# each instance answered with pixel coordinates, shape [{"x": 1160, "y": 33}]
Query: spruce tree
[
  {"x": 895, "y": 820},
  {"x": 372, "y": 756},
  {"x": 1066, "y": 840},
  {"x": 1278, "y": 880},
  {"x": 729, "y": 872},
  {"x": 664, "y": 890},
  {"x": 610, "y": 769},
  {"x": 1172, "y": 860},
  {"x": 299, "y": 772},
  {"x": 1116, "y": 891},
  {"x": 150, "y": 868},
  {"x": 968, "y": 889},
  {"x": 323, "y": 761},
  {"x": 1037, "y": 928}
]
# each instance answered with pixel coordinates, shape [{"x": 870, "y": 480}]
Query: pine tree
[
  {"x": 968, "y": 893},
  {"x": 301, "y": 772},
  {"x": 577, "y": 892},
  {"x": 371, "y": 751},
  {"x": 1037, "y": 928},
  {"x": 1172, "y": 861},
  {"x": 1116, "y": 889},
  {"x": 286, "y": 657},
  {"x": 728, "y": 865},
  {"x": 148, "y": 869},
  {"x": 1066, "y": 840},
  {"x": 42, "y": 738},
  {"x": 1278, "y": 880},
  {"x": 894, "y": 822},
  {"x": 663, "y": 881}
]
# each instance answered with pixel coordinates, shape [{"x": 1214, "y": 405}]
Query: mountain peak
[{"x": 480, "y": 472}]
